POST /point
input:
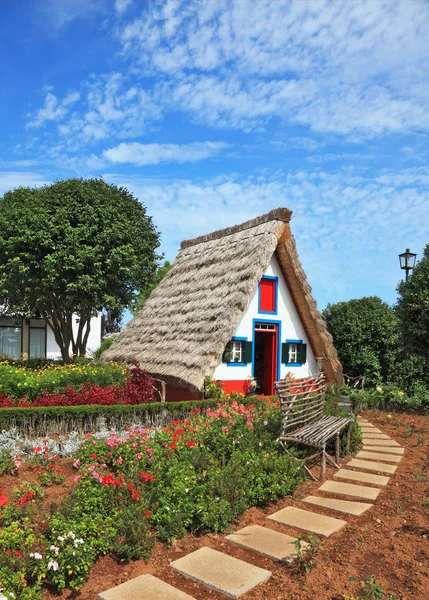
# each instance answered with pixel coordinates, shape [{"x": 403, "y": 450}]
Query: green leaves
[
  {"x": 366, "y": 335},
  {"x": 76, "y": 246}
]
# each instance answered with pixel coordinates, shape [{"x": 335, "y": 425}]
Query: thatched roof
[{"x": 181, "y": 332}]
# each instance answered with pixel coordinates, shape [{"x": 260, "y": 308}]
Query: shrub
[
  {"x": 137, "y": 389},
  {"x": 27, "y": 382}
]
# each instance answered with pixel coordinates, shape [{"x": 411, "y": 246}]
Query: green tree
[
  {"x": 140, "y": 300},
  {"x": 412, "y": 309},
  {"x": 366, "y": 335},
  {"x": 74, "y": 247}
]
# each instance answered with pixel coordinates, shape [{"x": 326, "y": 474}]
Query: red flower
[
  {"x": 31, "y": 494},
  {"x": 190, "y": 444},
  {"x": 173, "y": 445},
  {"x": 23, "y": 499},
  {"x": 146, "y": 476},
  {"x": 130, "y": 487},
  {"x": 147, "y": 514},
  {"x": 135, "y": 496},
  {"x": 4, "y": 500},
  {"x": 18, "y": 554},
  {"x": 93, "y": 455}
]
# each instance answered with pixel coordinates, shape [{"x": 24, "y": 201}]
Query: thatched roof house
[{"x": 181, "y": 333}]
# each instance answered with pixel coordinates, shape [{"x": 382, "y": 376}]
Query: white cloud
[
  {"x": 10, "y": 180},
  {"x": 59, "y": 13},
  {"x": 53, "y": 109},
  {"x": 355, "y": 68},
  {"x": 349, "y": 229},
  {"x": 153, "y": 154},
  {"x": 122, "y": 5}
]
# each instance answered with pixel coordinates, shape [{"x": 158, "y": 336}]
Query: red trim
[{"x": 237, "y": 385}]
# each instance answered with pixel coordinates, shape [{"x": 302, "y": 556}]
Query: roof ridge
[{"x": 277, "y": 214}]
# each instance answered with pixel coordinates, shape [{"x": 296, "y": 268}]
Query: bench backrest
[{"x": 301, "y": 402}]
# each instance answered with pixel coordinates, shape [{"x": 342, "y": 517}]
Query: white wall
[
  {"x": 291, "y": 329},
  {"x": 94, "y": 339}
]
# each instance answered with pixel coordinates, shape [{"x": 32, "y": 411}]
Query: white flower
[
  {"x": 36, "y": 555},
  {"x": 60, "y": 538},
  {"x": 54, "y": 549},
  {"x": 52, "y": 564},
  {"x": 71, "y": 535}
]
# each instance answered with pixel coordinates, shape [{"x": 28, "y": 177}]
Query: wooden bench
[{"x": 303, "y": 420}]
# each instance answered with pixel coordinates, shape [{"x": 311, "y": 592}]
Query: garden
[{"x": 82, "y": 512}]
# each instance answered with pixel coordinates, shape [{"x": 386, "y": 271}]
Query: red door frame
[{"x": 271, "y": 365}]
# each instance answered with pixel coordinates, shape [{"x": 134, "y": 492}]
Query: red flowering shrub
[{"x": 138, "y": 389}]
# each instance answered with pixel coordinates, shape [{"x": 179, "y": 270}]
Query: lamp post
[{"x": 407, "y": 261}]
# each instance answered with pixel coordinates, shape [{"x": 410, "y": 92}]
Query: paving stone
[
  {"x": 309, "y": 521},
  {"x": 376, "y": 456},
  {"x": 376, "y": 436},
  {"x": 349, "y": 489},
  {"x": 266, "y": 541},
  {"x": 371, "y": 466},
  {"x": 145, "y": 587},
  {"x": 345, "y": 506},
  {"x": 220, "y": 572},
  {"x": 375, "y": 442},
  {"x": 364, "y": 477},
  {"x": 391, "y": 449},
  {"x": 370, "y": 429}
]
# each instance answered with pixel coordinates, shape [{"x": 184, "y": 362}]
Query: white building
[
  {"x": 236, "y": 305},
  {"x": 22, "y": 338}
]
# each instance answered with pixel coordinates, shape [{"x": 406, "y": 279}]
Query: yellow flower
[
  {"x": 400, "y": 393},
  {"x": 389, "y": 416},
  {"x": 379, "y": 390}
]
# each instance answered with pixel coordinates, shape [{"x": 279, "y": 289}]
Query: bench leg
[
  {"x": 323, "y": 464},
  {"x": 349, "y": 434},
  {"x": 337, "y": 449}
]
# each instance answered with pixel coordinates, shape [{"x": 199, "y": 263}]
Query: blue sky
[{"x": 214, "y": 112}]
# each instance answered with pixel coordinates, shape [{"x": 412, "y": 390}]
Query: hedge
[{"x": 46, "y": 420}]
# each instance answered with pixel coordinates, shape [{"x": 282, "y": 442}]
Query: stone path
[{"x": 233, "y": 577}]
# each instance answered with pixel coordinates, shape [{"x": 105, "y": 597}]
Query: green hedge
[{"x": 44, "y": 420}]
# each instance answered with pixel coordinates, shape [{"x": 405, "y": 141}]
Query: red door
[{"x": 266, "y": 349}]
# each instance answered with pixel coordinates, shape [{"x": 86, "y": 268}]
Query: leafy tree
[
  {"x": 111, "y": 322},
  {"x": 412, "y": 309},
  {"x": 366, "y": 335},
  {"x": 144, "y": 293},
  {"x": 74, "y": 247}
]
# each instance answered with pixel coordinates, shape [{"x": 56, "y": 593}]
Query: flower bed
[
  {"x": 27, "y": 382},
  {"x": 136, "y": 388},
  {"x": 196, "y": 475}
]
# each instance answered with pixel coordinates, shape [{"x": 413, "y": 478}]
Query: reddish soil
[{"x": 390, "y": 541}]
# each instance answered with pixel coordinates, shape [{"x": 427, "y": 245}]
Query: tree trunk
[{"x": 61, "y": 324}]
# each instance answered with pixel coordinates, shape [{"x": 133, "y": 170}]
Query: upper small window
[{"x": 268, "y": 295}]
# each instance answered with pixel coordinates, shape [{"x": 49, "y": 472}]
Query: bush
[
  {"x": 137, "y": 388},
  {"x": 390, "y": 397},
  {"x": 24, "y": 381}
]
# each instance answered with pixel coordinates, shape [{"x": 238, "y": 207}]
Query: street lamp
[{"x": 407, "y": 261}]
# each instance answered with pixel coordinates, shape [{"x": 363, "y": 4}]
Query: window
[
  {"x": 238, "y": 352},
  {"x": 10, "y": 337},
  {"x": 294, "y": 353},
  {"x": 265, "y": 326},
  {"x": 268, "y": 295},
  {"x": 37, "y": 343}
]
